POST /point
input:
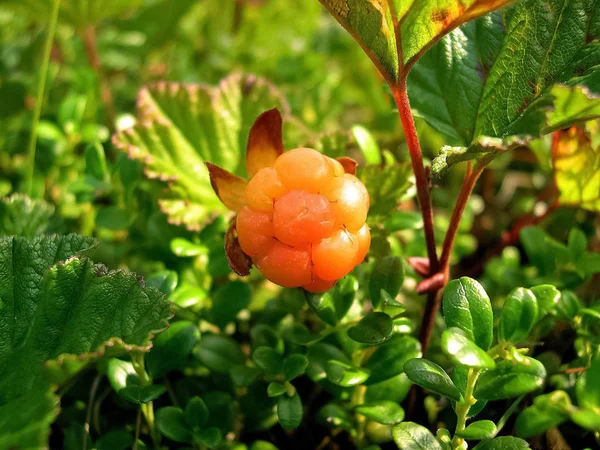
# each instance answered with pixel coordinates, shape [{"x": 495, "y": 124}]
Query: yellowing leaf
[
  {"x": 265, "y": 143},
  {"x": 576, "y": 169},
  {"x": 395, "y": 33},
  {"x": 230, "y": 188}
]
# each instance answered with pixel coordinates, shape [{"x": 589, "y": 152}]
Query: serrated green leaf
[
  {"x": 510, "y": 379},
  {"x": 170, "y": 421},
  {"x": 389, "y": 359},
  {"x": 385, "y": 412},
  {"x": 183, "y": 126},
  {"x": 388, "y": 187},
  {"x": 289, "y": 411},
  {"x": 467, "y": 306},
  {"x": 65, "y": 315},
  {"x": 344, "y": 374},
  {"x": 523, "y": 73},
  {"x": 412, "y": 436},
  {"x": 373, "y": 329},
  {"x": 482, "y": 429},
  {"x": 22, "y": 216},
  {"x": 219, "y": 353},
  {"x": 429, "y": 375},
  {"x": 28, "y": 427},
  {"x": 463, "y": 351},
  {"x": 519, "y": 315}
]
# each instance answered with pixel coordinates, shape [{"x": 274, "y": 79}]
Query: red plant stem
[{"x": 412, "y": 140}]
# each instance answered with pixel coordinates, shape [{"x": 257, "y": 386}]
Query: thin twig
[{"x": 37, "y": 112}]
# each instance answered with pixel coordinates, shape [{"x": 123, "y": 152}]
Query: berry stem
[{"x": 410, "y": 131}]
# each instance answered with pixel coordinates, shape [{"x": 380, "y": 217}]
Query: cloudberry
[{"x": 301, "y": 217}]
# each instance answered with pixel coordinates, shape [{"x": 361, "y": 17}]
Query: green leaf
[
  {"x": 482, "y": 429},
  {"x": 28, "y": 427},
  {"x": 182, "y": 126},
  {"x": 268, "y": 359},
  {"x": 460, "y": 376},
  {"x": 510, "y": 379},
  {"x": 524, "y": 73},
  {"x": 373, "y": 329},
  {"x": 344, "y": 374},
  {"x": 59, "y": 317},
  {"x": 586, "y": 418},
  {"x": 211, "y": 437},
  {"x": 519, "y": 315},
  {"x": 395, "y": 34},
  {"x": 367, "y": 144},
  {"x": 502, "y": 443},
  {"x": 264, "y": 335},
  {"x": 389, "y": 359},
  {"x": 385, "y": 412},
  {"x": 114, "y": 218},
  {"x": 219, "y": 353},
  {"x": 164, "y": 281},
  {"x": 22, "y": 216},
  {"x": 467, "y": 306},
  {"x": 588, "y": 388},
  {"x": 275, "y": 389},
  {"x": 228, "y": 301},
  {"x": 196, "y": 413},
  {"x": 577, "y": 179},
  {"x": 262, "y": 445},
  {"x": 172, "y": 348},
  {"x": 184, "y": 248},
  {"x": 333, "y": 305},
  {"x": 568, "y": 306},
  {"x": 394, "y": 389},
  {"x": 335, "y": 416},
  {"x": 115, "y": 440},
  {"x": 387, "y": 274},
  {"x": 404, "y": 220},
  {"x": 547, "y": 297},
  {"x": 121, "y": 374},
  {"x": 289, "y": 411},
  {"x": 463, "y": 351},
  {"x": 244, "y": 376},
  {"x": 318, "y": 356},
  {"x": 388, "y": 187},
  {"x": 142, "y": 394},
  {"x": 548, "y": 411},
  {"x": 294, "y": 366},
  {"x": 412, "y": 436},
  {"x": 170, "y": 421},
  {"x": 429, "y": 375}
]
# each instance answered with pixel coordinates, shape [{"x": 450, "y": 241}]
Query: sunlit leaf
[
  {"x": 22, "y": 216},
  {"x": 264, "y": 142}
]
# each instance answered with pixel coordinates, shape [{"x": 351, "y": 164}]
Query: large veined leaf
[
  {"x": 576, "y": 169},
  {"x": 22, "y": 216},
  {"x": 183, "y": 126},
  {"x": 395, "y": 33},
  {"x": 525, "y": 71},
  {"x": 58, "y": 316},
  {"x": 79, "y": 13}
]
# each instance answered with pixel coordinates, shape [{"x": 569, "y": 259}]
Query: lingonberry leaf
[
  {"x": 548, "y": 411},
  {"x": 467, "y": 306},
  {"x": 389, "y": 359},
  {"x": 510, "y": 379},
  {"x": 344, "y": 374},
  {"x": 522, "y": 73},
  {"x": 429, "y": 375},
  {"x": 385, "y": 412},
  {"x": 412, "y": 436},
  {"x": 502, "y": 443},
  {"x": 172, "y": 348},
  {"x": 395, "y": 34},
  {"x": 387, "y": 274},
  {"x": 183, "y": 126},
  {"x": 519, "y": 315},
  {"x": 289, "y": 411},
  {"x": 463, "y": 351},
  {"x": 219, "y": 353},
  {"x": 373, "y": 329},
  {"x": 171, "y": 422},
  {"x": 482, "y": 429}
]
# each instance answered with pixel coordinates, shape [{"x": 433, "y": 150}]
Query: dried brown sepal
[
  {"x": 348, "y": 164},
  {"x": 420, "y": 264},
  {"x": 265, "y": 143},
  {"x": 230, "y": 188},
  {"x": 239, "y": 262}
]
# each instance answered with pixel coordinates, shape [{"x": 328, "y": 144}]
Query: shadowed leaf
[{"x": 239, "y": 262}]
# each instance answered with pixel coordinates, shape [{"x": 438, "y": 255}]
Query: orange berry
[
  {"x": 317, "y": 285},
  {"x": 335, "y": 256},
  {"x": 255, "y": 231},
  {"x": 304, "y": 168},
  {"x": 301, "y": 218},
  {"x": 363, "y": 237},
  {"x": 263, "y": 188},
  {"x": 350, "y": 201},
  {"x": 286, "y": 266}
]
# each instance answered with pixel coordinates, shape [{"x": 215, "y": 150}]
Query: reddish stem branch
[{"x": 412, "y": 140}]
